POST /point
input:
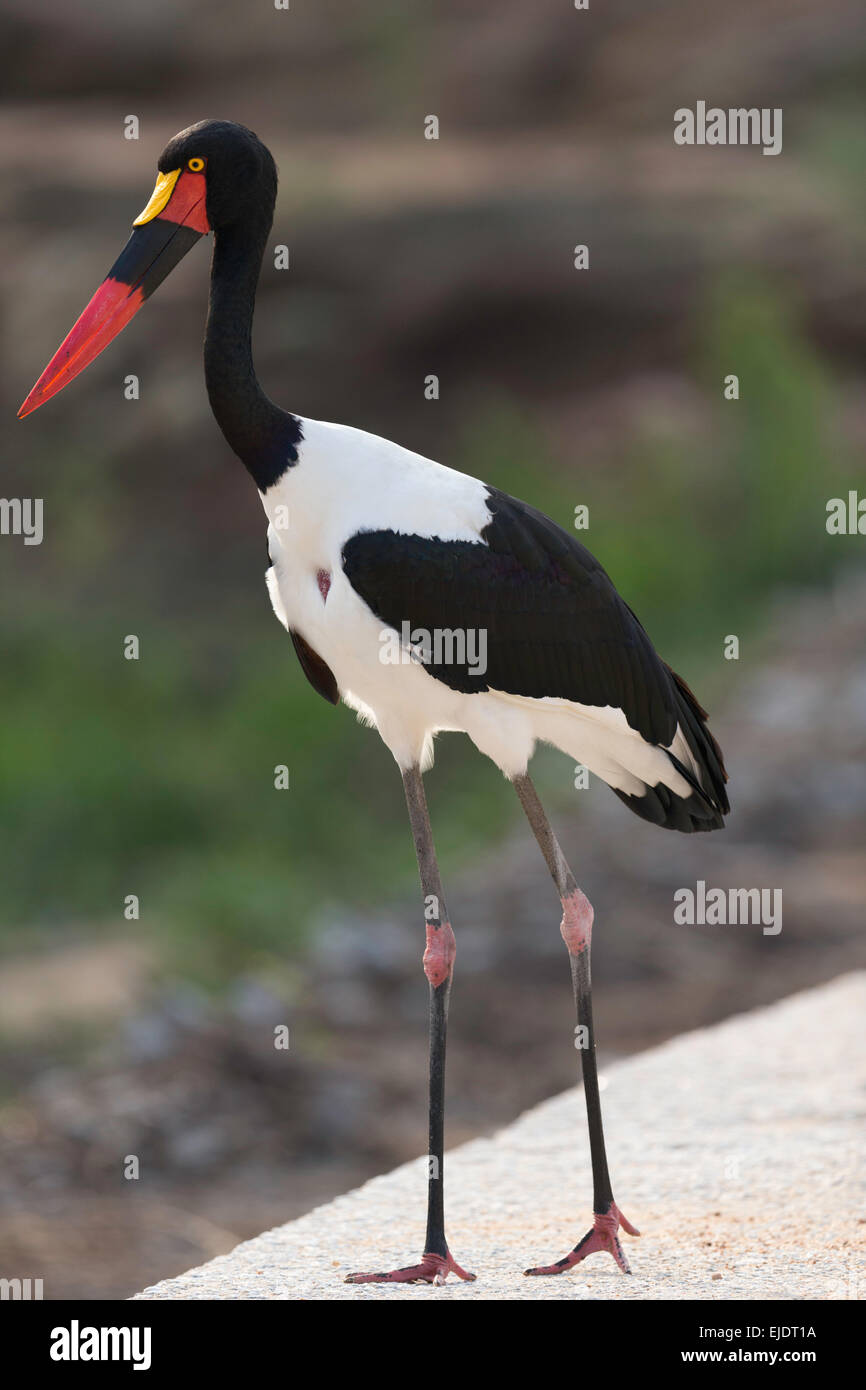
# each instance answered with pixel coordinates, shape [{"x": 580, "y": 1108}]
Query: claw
[
  {"x": 433, "y": 1269},
  {"x": 603, "y": 1236}
]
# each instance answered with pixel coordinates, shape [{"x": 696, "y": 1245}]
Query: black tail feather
[
  {"x": 707, "y": 805},
  {"x": 662, "y": 807},
  {"x": 707, "y": 753}
]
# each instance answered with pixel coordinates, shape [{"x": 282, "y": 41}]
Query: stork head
[
  {"x": 238, "y": 172},
  {"x": 211, "y": 176}
]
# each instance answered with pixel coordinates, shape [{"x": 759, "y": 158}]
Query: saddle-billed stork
[{"x": 426, "y": 601}]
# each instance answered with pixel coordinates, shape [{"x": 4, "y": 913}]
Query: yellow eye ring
[{"x": 195, "y": 165}]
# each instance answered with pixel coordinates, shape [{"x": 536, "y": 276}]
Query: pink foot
[
  {"x": 603, "y": 1236},
  {"x": 433, "y": 1269}
]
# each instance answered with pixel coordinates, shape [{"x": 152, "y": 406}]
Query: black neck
[{"x": 264, "y": 437}]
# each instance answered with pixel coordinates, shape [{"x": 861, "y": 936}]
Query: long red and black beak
[{"x": 170, "y": 225}]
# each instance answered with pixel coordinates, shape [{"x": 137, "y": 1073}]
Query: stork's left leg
[
  {"x": 437, "y": 1262},
  {"x": 576, "y": 928}
]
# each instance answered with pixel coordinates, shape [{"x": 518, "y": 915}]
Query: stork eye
[{"x": 195, "y": 165}]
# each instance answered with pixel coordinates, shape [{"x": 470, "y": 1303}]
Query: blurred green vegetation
[{"x": 156, "y": 776}]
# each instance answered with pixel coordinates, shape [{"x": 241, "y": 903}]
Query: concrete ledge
[{"x": 736, "y": 1150}]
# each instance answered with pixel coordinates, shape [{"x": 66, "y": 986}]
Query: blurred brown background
[{"x": 408, "y": 257}]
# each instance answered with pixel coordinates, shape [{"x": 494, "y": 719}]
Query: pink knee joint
[
  {"x": 440, "y": 953},
  {"x": 576, "y": 924}
]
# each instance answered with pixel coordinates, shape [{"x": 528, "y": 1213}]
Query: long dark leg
[
  {"x": 576, "y": 928},
  {"x": 437, "y": 1261}
]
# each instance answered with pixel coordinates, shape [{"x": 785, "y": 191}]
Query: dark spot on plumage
[{"x": 317, "y": 671}]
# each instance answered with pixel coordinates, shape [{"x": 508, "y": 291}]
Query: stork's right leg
[
  {"x": 437, "y": 1261},
  {"x": 576, "y": 931}
]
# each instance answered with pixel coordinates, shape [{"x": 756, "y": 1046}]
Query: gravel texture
[{"x": 737, "y": 1150}]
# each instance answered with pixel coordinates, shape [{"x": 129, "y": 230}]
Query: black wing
[{"x": 555, "y": 625}]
